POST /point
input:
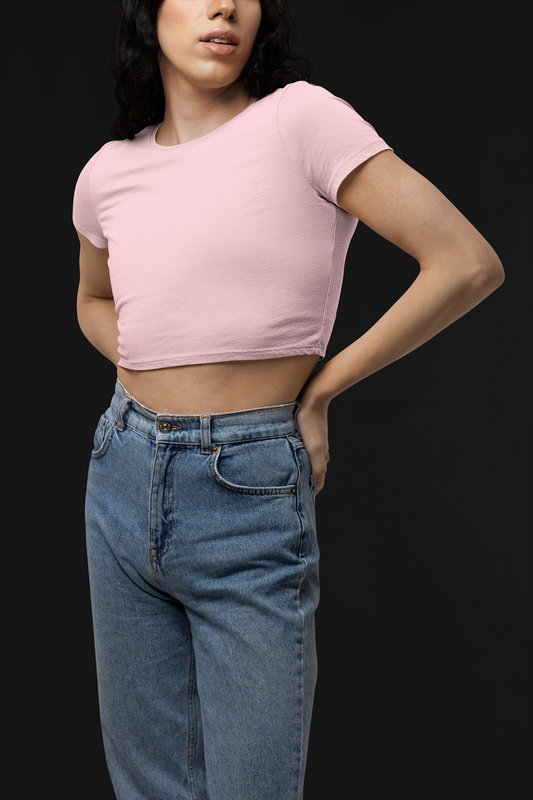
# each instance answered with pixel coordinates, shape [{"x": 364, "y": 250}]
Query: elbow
[
  {"x": 486, "y": 275},
  {"x": 493, "y": 273}
]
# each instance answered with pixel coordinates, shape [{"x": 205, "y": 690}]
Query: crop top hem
[{"x": 229, "y": 355}]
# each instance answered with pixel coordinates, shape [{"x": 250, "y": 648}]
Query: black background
[{"x": 424, "y": 523}]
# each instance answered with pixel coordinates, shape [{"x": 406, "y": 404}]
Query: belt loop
[
  {"x": 205, "y": 428},
  {"x": 120, "y": 413}
]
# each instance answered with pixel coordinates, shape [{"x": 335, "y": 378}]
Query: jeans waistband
[{"x": 204, "y": 429}]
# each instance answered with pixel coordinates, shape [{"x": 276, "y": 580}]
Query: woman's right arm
[{"x": 95, "y": 304}]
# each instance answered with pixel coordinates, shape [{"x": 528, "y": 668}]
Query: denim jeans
[{"x": 204, "y": 577}]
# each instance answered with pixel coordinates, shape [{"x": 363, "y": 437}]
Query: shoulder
[
  {"x": 310, "y": 102},
  {"x": 112, "y": 156},
  {"x": 93, "y": 163},
  {"x": 306, "y": 94},
  {"x": 111, "y": 153}
]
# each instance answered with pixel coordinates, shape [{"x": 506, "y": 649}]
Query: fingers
[
  {"x": 313, "y": 428},
  {"x": 319, "y": 476},
  {"x": 318, "y": 471}
]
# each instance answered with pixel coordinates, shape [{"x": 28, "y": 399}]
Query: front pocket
[
  {"x": 262, "y": 466},
  {"x": 103, "y": 434}
]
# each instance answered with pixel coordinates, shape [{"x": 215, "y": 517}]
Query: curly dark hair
[{"x": 139, "y": 93}]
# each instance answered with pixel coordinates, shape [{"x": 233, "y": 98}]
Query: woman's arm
[
  {"x": 95, "y": 305},
  {"x": 458, "y": 269}
]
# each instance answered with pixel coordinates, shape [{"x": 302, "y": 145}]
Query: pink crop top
[{"x": 230, "y": 246}]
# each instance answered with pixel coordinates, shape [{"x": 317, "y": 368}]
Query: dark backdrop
[{"x": 424, "y": 622}]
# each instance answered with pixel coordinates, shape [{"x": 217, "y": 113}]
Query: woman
[{"x": 213, "y": 231}]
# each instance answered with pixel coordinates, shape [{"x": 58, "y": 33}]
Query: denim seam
[
  {"x": 137, "y": 430},
  {"x": 153, "y": 561},
  {"x": 301, "y": 681},
  {"x": 106, "y": 441},
  {"x": 252, "y": 439},
  {"x": 100, "y": 434},
  {"x": 213, "y": 441},
  {"x": 192, "y": 738},
  {"x": 294, "y": 449},
  {"x": 267, "y": 491},
  {"x": 163, "y": 550},
  {"x": 171, "y": 533},
  {"x": 122, "y": 410}
]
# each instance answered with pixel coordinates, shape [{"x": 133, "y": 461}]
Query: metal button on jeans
[{"x": 165, "y": 427}]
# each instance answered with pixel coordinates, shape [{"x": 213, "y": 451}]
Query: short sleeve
[
  {"x": 325, "y": 136},
  {"x": 83, "y": 211}
]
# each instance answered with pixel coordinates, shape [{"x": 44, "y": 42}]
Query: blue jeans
[{"x": 203, "y": 566}]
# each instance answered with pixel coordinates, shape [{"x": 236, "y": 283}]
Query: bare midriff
[{"x": 219, "y": 387}]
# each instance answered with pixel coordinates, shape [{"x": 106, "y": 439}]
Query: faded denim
[{"x": 204, "y": 575}]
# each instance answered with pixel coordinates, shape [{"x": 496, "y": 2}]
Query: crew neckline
[{"x": 173, "y": 147}]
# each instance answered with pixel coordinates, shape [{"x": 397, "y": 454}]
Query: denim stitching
[
  {"x": 153, "y": 561},
  {"x": 192, "y": 739},
  {"x": 213, "y": 441},
  {"x": 300, "y": 679},
  {"x": 171, "y": 534},
  {"x": 106, "y": 441},
  {"x": 122, "y": 411},
  {"x": 160, "y": 551},
  {"x": 294, "y": 449},
  {"x": 137, "y": 430},
  {"x": 268, "y": 491}
]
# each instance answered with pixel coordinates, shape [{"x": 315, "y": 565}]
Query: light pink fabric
[{"x": 231, "y": 246}]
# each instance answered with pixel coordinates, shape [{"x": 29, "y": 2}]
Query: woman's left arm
[{"x": 458, "y": 269}]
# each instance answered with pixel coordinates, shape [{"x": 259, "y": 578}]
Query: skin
[
  {"x": 458, "y": 267},
  {"x": 203, "y": 90}
]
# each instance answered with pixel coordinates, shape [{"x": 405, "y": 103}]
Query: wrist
[{"x": 314, "y": 393}]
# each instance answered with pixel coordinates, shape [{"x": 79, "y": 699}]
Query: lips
[{"x": 218, "y": 33}]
